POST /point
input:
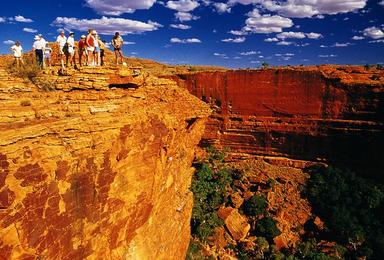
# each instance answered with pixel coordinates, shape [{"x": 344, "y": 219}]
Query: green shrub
[
  {"x": 267, "y": 228},
  {"x": 254, "y": 206},
  {"x": 209, "y": 188},
  {"x": 352, "y": 208}
]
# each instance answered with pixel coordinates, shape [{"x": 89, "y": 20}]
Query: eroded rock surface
[{"x": 97, "y": 174}]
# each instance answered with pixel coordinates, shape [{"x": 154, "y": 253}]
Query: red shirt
[
  {"x": 90, "y": 41},
  {"x": 81, "y": 45}
]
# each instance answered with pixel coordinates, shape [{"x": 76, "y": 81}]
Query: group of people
[{"x": 90, "y": 50}]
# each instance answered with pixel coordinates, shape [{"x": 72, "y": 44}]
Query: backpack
[{"x": 65, "y": 49}]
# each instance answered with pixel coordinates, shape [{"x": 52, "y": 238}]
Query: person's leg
[
  {"x": 61, "y": 57},
  {"x": 41, "y": 57},
  {"x": 80, "y": 58},
  {"x": 121, "y": 55},
  {"x": 116, "y": 57}
]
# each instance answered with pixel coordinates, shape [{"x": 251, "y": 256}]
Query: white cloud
[
  {"x": 222, "y": 8},
  {"x": 180, "y": 26},
  {"x": 382, "y": 3},
  {"x": 374, "y": 33},
  {"x": 185, "y": 17},
  {"x": 106, "y": 26},
  {"x": 310, "y": 8},
  {"x": 182, "y": 5},
  {"x": 377, "y": 41},
  {"x": 357, "y": 38},
  {"x": 315, "y": 36},
  {"x": 235, "y": 40},
  {"x": 284, "y": 43},
  {"x": 220, "y": 55},
  {"x": 327, "y": 56},
  {"x": 29, "y": 30},
  {"x": 129, "y": 43},
  {"x": 237, "y": 33},
  {"x": 191, "y": 40},
  {"x": 2, "y": 20},
  {"x": 249, "y": 53},
  {"x": 21, "y": 19},
  {"x": 267, "y": 24},
  {"x": 291, "y": 35},
  {"x": 342, "y": 44},
  {"x": 118, "y": 7},
  {"x": 8, "y": 42},
  {"x": 271, "y": 40}
]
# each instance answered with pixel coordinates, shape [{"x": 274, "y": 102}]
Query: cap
[
  {"x": 71, "y": 33},
  {"x": 37, "y": 37},
  {"x": 83, "y": 36},
  {"x": 94, "y": 32}
]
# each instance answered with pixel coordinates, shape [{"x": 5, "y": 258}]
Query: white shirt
[
  {"x": 71, "y": 44},
  {"x": 61, "y": 40},
  {"x": 39, "y": 44},
  {"x": 17, "y": 51}
]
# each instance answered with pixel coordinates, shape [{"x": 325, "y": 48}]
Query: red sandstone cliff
[
  {"x": 96, "y": 174},
  {"x": 326, "y": 113}
]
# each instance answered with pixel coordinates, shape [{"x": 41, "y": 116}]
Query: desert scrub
[{"x": 25, "y": 103}]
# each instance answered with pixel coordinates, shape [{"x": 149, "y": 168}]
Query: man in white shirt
[
  {"x": 71, "y": 49},
  {"x": 17, "y": 53},
  {"x": 61, "y": 40},
  {"x": 38, "y": 47}
]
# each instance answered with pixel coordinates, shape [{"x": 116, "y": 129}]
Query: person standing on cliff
[
  {"x": 81, "y": 47},
  {"x": 102, "y": 50},
  {"x": 17, "y": 54},
  {"x": 47, "y": 56},
  {"x": 61, "y": 40},
  {"x": 70, "y": 54},
  {"x": 38, "y": 47},
  {"x": 90, "y": 43},
  {"x": 117, "y": 43}
]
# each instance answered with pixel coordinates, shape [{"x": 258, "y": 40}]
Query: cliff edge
[{"x": 96, "y": 165}]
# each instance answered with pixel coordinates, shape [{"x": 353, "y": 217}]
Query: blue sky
[{"x": 232, "y": 33}]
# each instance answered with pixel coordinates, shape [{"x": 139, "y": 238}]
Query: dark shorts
[{"x": 117, "y": 49}]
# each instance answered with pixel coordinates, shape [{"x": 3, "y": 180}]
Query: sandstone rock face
[
  {"x": 97, "y": 174},
  {"x": 324, "y": 114}
]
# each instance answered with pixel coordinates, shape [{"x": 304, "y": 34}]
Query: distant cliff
[
  {"x": 100, "y": 170},
  {"x": 330, "y": 113}
]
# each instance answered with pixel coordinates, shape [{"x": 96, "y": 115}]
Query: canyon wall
[
  {"x": 318, "y": 114},
  {"x": 96, "y": 174}
]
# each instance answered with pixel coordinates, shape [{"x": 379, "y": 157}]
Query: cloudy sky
[{"x": 232, "y": 33}]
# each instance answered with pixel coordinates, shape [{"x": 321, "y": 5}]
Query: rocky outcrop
[
  {"x": 97, "y": 174},
  {"x": 332, "y": 114}
]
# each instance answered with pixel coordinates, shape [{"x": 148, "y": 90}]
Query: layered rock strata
[
  {"x": 322, "y": 114},
  {"x": 97, "y": 174}
]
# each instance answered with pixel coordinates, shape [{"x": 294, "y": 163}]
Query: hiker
[
  {"x": 117, "y": 43},
  {"x": 61, "y": 40},
  {"x": 82, "y": 51},
  {"x": 47, "y": 55},
  {"x": 102, "y": 50},
  {"x": 90, "y": 43},
  {"x": 97, "y": 49},
  {"x": 69, "y": 50},
  {"x": 38, "y": 47},
  {"x": 17, "y": 54}
]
